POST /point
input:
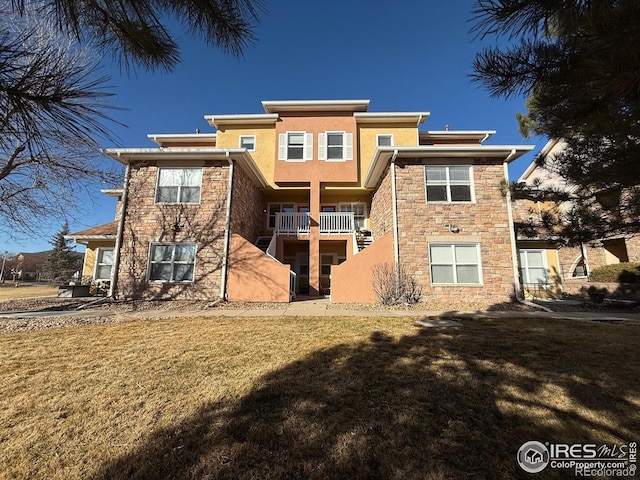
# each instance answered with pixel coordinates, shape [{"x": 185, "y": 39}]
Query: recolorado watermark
[{"x": 583, "y": 459}]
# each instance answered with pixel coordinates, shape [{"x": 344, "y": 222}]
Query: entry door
[{"x": 302, "y": 270}]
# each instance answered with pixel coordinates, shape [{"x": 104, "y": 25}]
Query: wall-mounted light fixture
[{"x": 453, "y": 228}]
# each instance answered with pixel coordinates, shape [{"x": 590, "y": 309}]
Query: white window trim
[
  {"x": 307, "y": 147},
  {"x": 247, "y": 136},
  {"x": 347, "y": 146},
  {"x": 155, "y": 196},
  {"x": 97, "y": 264},
  {"x": 524, "y": 270},
  {"x": 448, "y": 185},
  {"x": 181, "y": 282},
  {"x": 452, "y": 245},
  {"x": 384, "y": 135}
]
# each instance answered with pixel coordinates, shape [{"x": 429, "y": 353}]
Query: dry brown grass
[
  {"x": 8, "y": 291},
  {"x": 309, "y": 398}
]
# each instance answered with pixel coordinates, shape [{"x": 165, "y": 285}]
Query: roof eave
[
  {"x": 383, "y": 155},
  {"x": 241, "y": 155},
  {"x": 277, "y": 106}
]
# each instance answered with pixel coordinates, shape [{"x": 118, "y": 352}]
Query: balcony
[{"x": 331, "y": 223}]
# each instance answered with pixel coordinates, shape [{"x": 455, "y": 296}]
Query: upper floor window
[
  {"x": 173, "y": 262},
  {"x": 335, "y": 146},
  {"x": 359, "y": 210},
  {"x": 248, "y": 142},
  {"x": 449, "y": 184},
  {"x": 295, "y": 146},
  {"x": 384, "y": 140},
  {"x": 179, "y": 185}
]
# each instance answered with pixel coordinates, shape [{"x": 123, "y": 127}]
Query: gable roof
[{"x": 106, "y": 231}]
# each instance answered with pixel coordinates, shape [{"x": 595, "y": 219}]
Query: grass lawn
[
  {"x": 8, "y": 291},
  {"x": 310, "y": 397}
]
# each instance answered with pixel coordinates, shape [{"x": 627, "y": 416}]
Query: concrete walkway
[{"x": 320, "y": 308}]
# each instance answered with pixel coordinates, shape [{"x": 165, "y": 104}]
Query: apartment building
[
  {"x": 548, "y": 267},
  {"x": 307, "y": 198}
]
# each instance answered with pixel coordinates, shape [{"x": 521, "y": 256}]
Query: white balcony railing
[
  {"x": 292, "y": 223},
  {"x": 336, "y": 223},
  {"x": 331, "y": 223}
]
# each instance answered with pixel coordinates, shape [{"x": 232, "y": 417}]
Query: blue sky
[{"x": 406, "y": 55}]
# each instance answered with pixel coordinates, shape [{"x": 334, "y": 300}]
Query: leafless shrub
[{"x": 392, "y": 287}]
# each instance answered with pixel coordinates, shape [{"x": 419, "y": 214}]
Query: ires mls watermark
[{"x": 584, "y": 459}]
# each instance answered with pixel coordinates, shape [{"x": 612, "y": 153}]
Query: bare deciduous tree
[{"x": 52, "y": 110}]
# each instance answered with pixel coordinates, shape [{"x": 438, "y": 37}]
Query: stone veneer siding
[
  {"x": 484, "y": 222},
  {"x": 381, "y": 212},
  {"x": 147, "y": 222},
  {"x": 247, "y": 205}
]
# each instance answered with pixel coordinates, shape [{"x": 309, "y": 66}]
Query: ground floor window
[
  {"x": 533, "y": 267},
  {"x": 104, "y": 263},
  {"x": 455, "y": 263},
  {"x": 172, "y": 262}
]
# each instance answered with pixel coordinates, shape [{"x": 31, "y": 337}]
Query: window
[
  {"x": 179, "y": 185},
  {"x": 455, "y": 263},
  {"x": 326, "y": 260},
  {"x": 172, "y": 262},
  {"x": 274, "y": 209},
  {"x": 449, "y": 184},
  {"x": 248, "y": 142},
  {"x": 533, "y": 268},
  {"x": 295, "y": 146},
  {"x": 384, "y": 140},
  {"x": 335, "y": 146},
  {"x": 104, "y": 263},
  {"x": 359, "y": 213}
]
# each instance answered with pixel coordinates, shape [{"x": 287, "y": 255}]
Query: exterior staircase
[
  {"x": 364, "y": 240},
  {"x": 262, "y": 243}
]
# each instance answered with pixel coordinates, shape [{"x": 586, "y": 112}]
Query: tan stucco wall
[
  {"x": 254, "y": 276},
  {"x": 90, "y": 255},
  {"x": 403, "y": 135},
  {"x": 266, "y": 142},
  {"x": 352, "y": 281}
]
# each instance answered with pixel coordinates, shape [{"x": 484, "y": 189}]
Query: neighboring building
[
  {"x": 29, "y": 267},
  {"x": 307, "y": 198},
  {"x": 546, "y": 264},
  {"x": 100, "y": 244}
]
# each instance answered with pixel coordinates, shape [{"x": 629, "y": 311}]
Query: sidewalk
[{"x": 320, "y": 308}]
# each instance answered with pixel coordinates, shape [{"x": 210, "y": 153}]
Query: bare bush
[{"x": 393, "y": 287}]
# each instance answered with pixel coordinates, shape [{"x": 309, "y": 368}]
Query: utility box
[{"x": 74, "y": 291}]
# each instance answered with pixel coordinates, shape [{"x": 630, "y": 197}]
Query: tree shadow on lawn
[{"x": 442, "y": 403}]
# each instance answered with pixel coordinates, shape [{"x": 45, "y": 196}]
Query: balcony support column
[{"x": 314, "y": 239}]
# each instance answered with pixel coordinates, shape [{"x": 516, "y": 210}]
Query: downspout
[
  {"x": 394, "y": 210},
  {"x": 512, "y": 237},
  {"x": 486, "y": 136},
  {"x": 113, "y": 280},
  {"x": 227, "y": 233}
]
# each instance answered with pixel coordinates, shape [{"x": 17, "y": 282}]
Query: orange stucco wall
[
  {"x": 253, "y": 276},
  {"x": 352, "y": 281},
  {"x": 317, "y": 170}
]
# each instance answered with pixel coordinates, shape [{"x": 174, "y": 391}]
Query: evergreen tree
[
  {"x": 62, "y": 262},
  {"x": 579, "y": 63}
]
